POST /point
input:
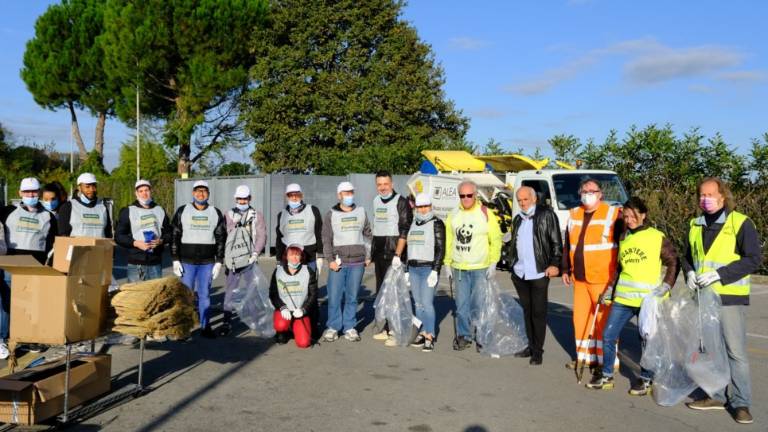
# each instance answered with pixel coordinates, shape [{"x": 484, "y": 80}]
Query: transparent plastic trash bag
[
  {"x": 648, "y": 317},
  {"x": 256, "y": 309},
  {"x": 707, "y": 361},
  {"x": 393, "y": 304},
  {"x": 236, "y": 287},
  {"x": 498, "y": 321}
]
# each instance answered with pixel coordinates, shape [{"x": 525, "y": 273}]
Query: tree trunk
[
  {"x": 83, "y": 153},
  {"x": 184, "y": 162},
  {"x": 98, "y": 144}
]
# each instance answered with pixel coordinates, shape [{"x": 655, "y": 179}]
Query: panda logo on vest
[
  {"x": 464, "y": 236},
  {"x": 633, "y": 255}
]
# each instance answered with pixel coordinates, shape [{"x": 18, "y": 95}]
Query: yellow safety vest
[
  {"x": 721, "y": 253},
  {"x": 640, "y": 259}
]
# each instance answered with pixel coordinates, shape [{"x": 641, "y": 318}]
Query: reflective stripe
[
  {"x": 640, "y": 285},
  {"x": 596, "y": 247},
  {"x": 721, "y": 253},
  {"x": 608, "y": 221}
]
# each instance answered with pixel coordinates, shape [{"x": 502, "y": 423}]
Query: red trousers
[{"x": 301, "y": 327}]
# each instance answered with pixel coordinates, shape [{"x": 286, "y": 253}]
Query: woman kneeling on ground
[
  {"x": 292, "y": 290},
  {"x": 426, "y": 250}
]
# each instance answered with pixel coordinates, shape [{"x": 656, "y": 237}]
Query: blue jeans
[
  {"x": 466, "y": 281},
  {"x": 733, "y": 321},
  {"x": 346, "y": 283},
  {"x": 141, "y": 272},
  {"x": 423, "y": 297},
  {"x": 618, "y": 317},
  {"x": 5, "y": 311},
  {"x": 198, "y": 278}
]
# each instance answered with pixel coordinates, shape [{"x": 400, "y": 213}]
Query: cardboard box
[
  {"x": 34, "y": 395},
  {"x": 50, "y": 307},
  {"x": 99, "y": 253}
]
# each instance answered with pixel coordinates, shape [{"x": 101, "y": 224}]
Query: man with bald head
[{"x": 535, "y": 252}]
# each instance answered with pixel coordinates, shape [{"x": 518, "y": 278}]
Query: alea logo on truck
[{"x": 444, "y": 192}]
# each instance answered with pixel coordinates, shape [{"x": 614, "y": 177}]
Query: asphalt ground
[{"x": 245, "y": 383}]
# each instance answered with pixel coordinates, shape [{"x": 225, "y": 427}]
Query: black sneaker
[
  {"x": 524, "y": 353},
  {"x": 225, "y": 330},
  {"x": 742, "y": 415},
  {"x": 429, "y": 345},
  {"x": 535, "y": 360},
  {"x": 600, "y": 383},
  {"x": 418, "y": 342},
  {"x": 208, "y": 333},
  {"x": 641, "y": 387},
  {"x": 281, "y": 338},
  {"x": 461, "y": 343}
]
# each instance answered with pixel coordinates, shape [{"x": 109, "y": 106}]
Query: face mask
[
  {"x": 84, "y": 199},
  {"x": 388, "y": 196},
  {"x": 588, "y": 199},
  {"x": 242, "y": 207},
  {"x": 348, "y": 201},
  {"x": 30, "y": 201},
  {"x": 708, "y": 204},
  {"x": 200, "y": 202},
  {"x": 528, "y": 212},
  {"x": 51, "y": 205},
  {"x": 294, "y": 204},
  {"x": 423, "y": 217},
  {"x": 294, "y": 266},
  {"x": 145, "y": 203}
]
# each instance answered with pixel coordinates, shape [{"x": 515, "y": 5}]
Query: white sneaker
[
  {"x": 4, "y": 353},
  {"x": 330, "y": 335},
  {"x": 390, "y": 342},
  {"x": 351, "y": 335},
  {"x": 382, "y": 335}
]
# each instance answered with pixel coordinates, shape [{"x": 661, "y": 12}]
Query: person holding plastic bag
[
  {"x": 721, "y": 250},
  {"x": 292, "y": 290},
  {"x": 246, "y": 237},
  {"x": 472, "y": 249},
  {"x": 426, "y": 251},
  {"x": 642, "y": 252},
  {"x": 535, "y": 251}
]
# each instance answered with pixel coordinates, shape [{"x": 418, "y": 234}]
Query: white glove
[
  {"x": 707, "y": 279},
  {"x": 319, "y": 264},
  {"x": 690, "y": 280},
  {"x": 216, "y": 270},
  {"x": 285, "y": 313},
  {"x": 407, "y": 277},
  {"x": 178, "y": 270},
  {"x": 432, "y": 279},
  {"x": 491, "y": 272},
  {"x": 396, "y": 263},
  {"x": 661, "y": 290},
  {"x": 253, "y": 259},
  {"x": 298, "y": 313},
  {"x": 448, "y": 272}
]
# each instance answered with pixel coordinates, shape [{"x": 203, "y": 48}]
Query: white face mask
[{"x": 589, "y": 199}]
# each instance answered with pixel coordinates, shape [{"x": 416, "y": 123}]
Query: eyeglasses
[
  {"x": 463, "y": 196},
  {"x": 590, "y": 191}
]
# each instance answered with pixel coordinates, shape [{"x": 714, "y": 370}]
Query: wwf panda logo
[{"x": 464, "y": 234}]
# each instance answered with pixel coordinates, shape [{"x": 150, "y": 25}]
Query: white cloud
[
  {"x": 666, "y": 64},
  {"x": 465, "y": 43},
  {"x": 743, "y": 76}
]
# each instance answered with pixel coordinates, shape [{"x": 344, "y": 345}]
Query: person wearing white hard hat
[
  {"x": 86, "y": 214},
  {"x": 302, "y": 224},
  {"x": 27, "y": 229},
  {"x": 246, "y": 237},
  {"x": 143, "y": 230},
  {"x": 347, "y": 244},
  {"x": 197, "y": 248},
  {"x": 426, "y": 251}
]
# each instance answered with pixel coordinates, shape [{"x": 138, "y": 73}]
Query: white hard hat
[
  {"x": 141, "y": 183},
  {"x": 293, "y": 187},
  {"x": 86, "y": 178},
  {"x": 242, "y": 191},
  {"x": 345, "y": 187},
  {"x": 423, "y": 199},
  {"x": 29, "y": 184},
  {"x": 200, "y": 183}
]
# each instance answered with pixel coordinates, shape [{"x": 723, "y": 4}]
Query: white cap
[
  {"x": 293, "y": 187},
  {"x": 344, "y": 187},
  {"x": 29, "y": 184},
  {"x": 423, "y": 199},
  {"x": 86, "y": 178},
  {"x": 141, "y": 183},
  {"x": 242, "y": 191},
  {"x": 200, "y": 183}
]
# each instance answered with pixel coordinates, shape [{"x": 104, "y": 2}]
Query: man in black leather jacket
[{"x": 535, "y": 252}]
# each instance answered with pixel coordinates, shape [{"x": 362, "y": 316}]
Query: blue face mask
[
  {"x": 30, "y": 201},
  {"x": 294, "y": 204},
  {"x": 528, "y": 212},
  {"x": 294, "y": 266},
  {"x": 242, "y": 207},
  {"x": 423, "y": 217},
  {"x": 51, "y": 205},
  {"x": 84, "y": 199},
  {"x": 200, "y": 202},
  {"x": 145, "y": 203},
  {"x": 348, "y": 201}
]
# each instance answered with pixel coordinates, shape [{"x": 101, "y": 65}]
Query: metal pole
[
  {"x": 140, "y": 385},
  {"x": 138, "y": 137},
  {"x": 65, "y": 417}
]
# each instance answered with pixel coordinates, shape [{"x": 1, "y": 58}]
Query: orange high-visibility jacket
[{"x": 600, "y": 249}]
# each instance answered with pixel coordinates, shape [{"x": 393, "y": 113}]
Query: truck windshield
[{"x": 567, "y": 189}]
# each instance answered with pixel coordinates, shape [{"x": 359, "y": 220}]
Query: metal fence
[{"x": 268, "y": 192}]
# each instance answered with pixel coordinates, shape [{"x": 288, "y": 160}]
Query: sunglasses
[{"x": 463, "y": 196}]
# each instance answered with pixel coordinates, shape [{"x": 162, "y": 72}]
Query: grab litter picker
[{"x": 580, "y": 369}]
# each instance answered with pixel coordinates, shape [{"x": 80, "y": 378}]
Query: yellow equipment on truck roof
[
  {"x": 454, "y": 160},
  {"x": 513, "y": 162}
]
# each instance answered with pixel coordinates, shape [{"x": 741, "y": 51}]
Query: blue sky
[{"x": 524, "y": 71}]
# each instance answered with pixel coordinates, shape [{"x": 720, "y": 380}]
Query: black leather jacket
[
  {"x": 547, "y": 240},
  {"x": 437, "y": 262}
]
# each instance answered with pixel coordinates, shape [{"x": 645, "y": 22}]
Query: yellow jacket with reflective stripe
[
  {"x": 721, "y": 253},
  {"x": 640, "y": 260}
]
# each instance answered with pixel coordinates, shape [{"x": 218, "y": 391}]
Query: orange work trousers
[{"x": 585, "y": 298}]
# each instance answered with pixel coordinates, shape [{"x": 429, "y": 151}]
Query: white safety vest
[
  {"x": 298, "y": 228},
  {"x": 421, "y": 241},
  {"x": 26, "y": 230},
  {"x": 87, "y": 221},
  {"x": 198, "y": 225},
  {"x": 292, "y": 288},
  {"x": 146, "y": 219},
  {"x": 348, "y": 227},
  {"x": 385, "y": 217}
]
